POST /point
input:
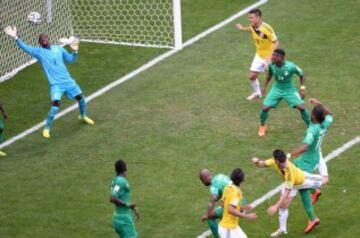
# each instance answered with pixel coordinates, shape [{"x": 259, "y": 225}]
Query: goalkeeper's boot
[
  {"x": 262, "y": 130},
  {"x": 278, "y": 233},
  {"x": 46, "y": 133},
  {"x": 315, "y": 196},
  {"x": 311, "y": 225},
  {"x": 254, "y": 96},
  {"x": 86, "y": 120},
  {"x": 2, "y": 153}
]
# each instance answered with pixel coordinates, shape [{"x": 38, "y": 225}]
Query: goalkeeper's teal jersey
[
  {"x": 120, "y": 189},
  {"x": 284, "y": 75},
  {"x": 218, "y": 183}
]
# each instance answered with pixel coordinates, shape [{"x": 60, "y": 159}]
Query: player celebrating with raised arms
[
  {"x": 294, "y": 178},
  {"x": 232, "y": 199},
  {"x": 283, "y": 88},
  {"x": 266, "y": 42},
  {"x": 120, "y": 196},
  {"x": 52, "y": 59}
]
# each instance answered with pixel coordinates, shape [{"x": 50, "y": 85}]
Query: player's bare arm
[
  {"x": 211, "y": 206},
  {"x": 243, "y": 28},
  {"x": 233, "y": 211},
  {"x": 316, "y": 102},
  {"x": 258, "y": 162},
  {"x": 298, "y": 151},
  {"x": 267, "y": 81},
  {"x": 273, "y": 209},
  {"x": 302, "y": 87},
  {"x": 3, "y": 112}
]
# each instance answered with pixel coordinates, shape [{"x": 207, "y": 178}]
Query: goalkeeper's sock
[
  {"x": 82, "y": 106},
  {"x": 305, "y": 115},
  {"x": 255, "y": 86},
  {"x": 306, "y": 200},
  {"x": 263, "y": 117},
  {"x": 51, "y": 115},
  {"x": 213, "y": 227}
]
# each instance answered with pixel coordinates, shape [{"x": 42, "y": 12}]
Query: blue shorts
[{"x": 71, "y": 90}]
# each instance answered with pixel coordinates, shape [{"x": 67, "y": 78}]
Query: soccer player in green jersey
[
  {"x": 217, "y": 184},
  {"x": 283, "y": 88},
  {"x": 310, "y": 159},
  {"x": 120, "y": 196},
  {"x": 4, "y": 117}
]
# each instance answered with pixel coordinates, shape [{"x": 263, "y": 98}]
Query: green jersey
[
  {"x": 283, "y": 75},
  {"x": 218, "y": 183},
  {"x": 120, "y": 189},
  {"x": 314, "y": 137}
]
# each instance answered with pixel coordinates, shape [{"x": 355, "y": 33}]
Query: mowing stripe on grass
[
  {"x": 135, "y": 72},
  {"x": 276, "y": 190}
]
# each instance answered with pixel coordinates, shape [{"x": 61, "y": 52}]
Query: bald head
[{"x": 205, "y": 177}]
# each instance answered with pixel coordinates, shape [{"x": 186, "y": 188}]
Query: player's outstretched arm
[
  {"x": 70, "y": 58},
  {"x": 211, "y": 206},
  {"x": 233, "y": 211},
  {"x": 3, "y": 112},
  {"x": 273, "y": 209},
  {"x": 316, "y": 102},
  {"x": 258, "y": 162},
  {"x": 298, "y": 151},
  {"x": 243, "y": 28},
  {"x": 12, "y": 32}
]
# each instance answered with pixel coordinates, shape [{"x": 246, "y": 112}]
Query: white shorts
[
  {"x": 231, "y": 233},
  {"x": 322, "y": 167},
  {"x": 293, "y": 191},
  {"x": 311, "y": 181},
  {"x": 258, "y": 65}
]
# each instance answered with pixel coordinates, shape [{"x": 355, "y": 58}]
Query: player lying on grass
[
  {"x": 120, "y": 196},
  {"x": 52, "y": 59},
  {"x": 232, "y": 199},
  {"x": 217, "y": 184},
  {"x": 265, "y": 42},
  {"x": 4, "y": 117},
  {"x": 283, "y": 88},
  {"x": 295, "y": 179}
]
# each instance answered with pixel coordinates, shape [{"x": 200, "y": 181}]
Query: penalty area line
[{"x": 333, "y": 154}]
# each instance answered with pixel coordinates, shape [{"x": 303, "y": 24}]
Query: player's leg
[
  {"x": 238, "y": 233},
  {"x": 257, "y": 66},
  {"x": 309, "y": 208},
  {"x": 2, "y": 136},
  {"x": 213, "y": 225},
  {"x": 323, "y": 171},
  {"x": 284, "y": 214},
  {"x": 56, "y": 93},
  {"x": 272, "y": 100},
  {"x": 293, "y": 99}
]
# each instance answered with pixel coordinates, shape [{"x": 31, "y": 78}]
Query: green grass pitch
[{"x": 184, "y": 114}]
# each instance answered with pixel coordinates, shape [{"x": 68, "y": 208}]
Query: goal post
[{"x": 146, "y": 23}]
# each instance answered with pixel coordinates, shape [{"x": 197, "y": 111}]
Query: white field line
[
  {"x": 135, "y": 72},
  {"x": 276, "y": 190}
]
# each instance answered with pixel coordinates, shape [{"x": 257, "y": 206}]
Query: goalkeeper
[{"x": 52, "y": 59}]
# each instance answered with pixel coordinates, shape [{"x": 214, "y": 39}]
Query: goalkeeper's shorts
[{"x": 71, "y": 90}]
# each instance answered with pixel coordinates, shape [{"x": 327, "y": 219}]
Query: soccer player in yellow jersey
[
  {"x": 294, "y": 178},
  {"x": 266, "y": 42},
  {"x": 231, "y": 198}
]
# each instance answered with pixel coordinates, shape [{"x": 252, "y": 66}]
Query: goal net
[{"x": 148, "y": 23}]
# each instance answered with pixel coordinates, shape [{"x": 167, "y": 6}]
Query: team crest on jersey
[{"x": 286, "y": 73}]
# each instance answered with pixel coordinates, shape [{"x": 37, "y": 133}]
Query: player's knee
[
  {"x": 252, "y": 75},
  {"x": 79, "y": 97},
  {"x": 56, "y": 103},
  {"x": 265, "y": 108},
  {"x": 301, "y": 107}
]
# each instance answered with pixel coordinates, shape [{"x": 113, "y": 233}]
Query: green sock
[
  {"x": 306, "y": 200},
  {"x": 312, "y": 190},
  {"x": 305, "y": 115},
  {"x": 213, "y": 227},
  {"x": 263, "y": 116}
]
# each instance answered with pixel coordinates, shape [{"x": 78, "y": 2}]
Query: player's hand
[
  {"x": 240, "y": 27},
  {"x": 302, "y": 93},
  {"x": 137, "y": 214},
  {"x": 251, "y": 216},
  {"x": 272, "y": 210},
  {"x": 314, "y": 101},
  {"x": 132, "y": 206},
  {"x": 255, "y": 160},
  {"x": 204, "y": 218},
  {"x": 11, "y": 31},
  {"x": 5, "y": 116},
  {"x": 74, "y": 46},
  {"x": 247, "y": 208}
]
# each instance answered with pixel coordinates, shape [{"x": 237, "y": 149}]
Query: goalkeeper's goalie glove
[{"x": 11, "y": 31}]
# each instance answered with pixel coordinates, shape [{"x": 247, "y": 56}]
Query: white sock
[
  {"x": 255, "y": 86},
  {"x": 283, "y": 215}
]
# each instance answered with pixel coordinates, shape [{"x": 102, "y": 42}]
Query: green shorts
[
  {"x": 124, "y": 226},
  {"x": 291, "y": 96}
]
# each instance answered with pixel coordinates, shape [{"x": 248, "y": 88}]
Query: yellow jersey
[
  {"x": 264, "y": 38},
  {"x": 232, "y": 195},
  {"x": 292, "y": 175}
]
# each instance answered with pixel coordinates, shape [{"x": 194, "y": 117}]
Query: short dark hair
[
  {"x": 280, "y": 51},
  {"x": 120, "y": 166},
  {"x": 319, "y": 113},
  {"x": 256, "y": 11},
  {"x": 279, "y": 155},
  {"x": 237, "y": 176}
]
